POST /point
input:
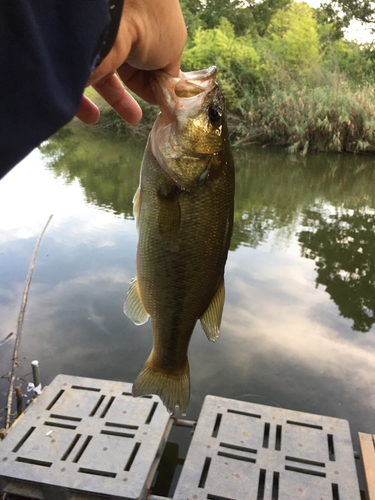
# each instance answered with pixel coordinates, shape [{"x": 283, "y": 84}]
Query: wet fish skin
[{"x": 184, "y": 209}]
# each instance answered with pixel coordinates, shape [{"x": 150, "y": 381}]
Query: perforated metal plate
[
  {"x": 247, "y": 451},
  {"x": 85, "y": 438}
]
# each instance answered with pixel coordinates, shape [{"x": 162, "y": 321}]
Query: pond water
[{"x": 298, "y": 324}]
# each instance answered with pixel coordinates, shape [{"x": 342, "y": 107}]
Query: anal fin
[
  {"x": 211, "y": 318},
  {"x": 133, "y": 307}
]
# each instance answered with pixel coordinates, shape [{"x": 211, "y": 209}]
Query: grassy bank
[
  {"x": 325, "y": 118},
  {"x": 331, "y": 117},
  {"x": 294, "y": 81}
]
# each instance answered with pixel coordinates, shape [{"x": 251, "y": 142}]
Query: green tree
[
  {"x": 191, "y": 10},
  {"x": 341, "y": 12},
  {"x": 293, "y": 40},
  {"x": 245, "y": 16},
  {"x": 352, "y": 60},
  {"x": 235, "y": 58},
  {"x": 262, "y": 13},
  {"x": 233, "y": 10}
]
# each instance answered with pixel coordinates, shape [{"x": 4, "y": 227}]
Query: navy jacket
[{"x": 48, "y": 49}]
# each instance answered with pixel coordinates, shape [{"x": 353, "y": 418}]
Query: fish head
[{"x": 190, "y": 132}]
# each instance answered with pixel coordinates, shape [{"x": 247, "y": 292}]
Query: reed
[{"x": 328, "y": 117}]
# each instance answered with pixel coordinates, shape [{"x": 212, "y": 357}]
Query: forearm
[
  {"x": 49, "y": 49},
  {"x": 47, "y": 52}
]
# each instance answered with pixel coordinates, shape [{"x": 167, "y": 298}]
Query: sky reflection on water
[{"x": 283, "y": 340}]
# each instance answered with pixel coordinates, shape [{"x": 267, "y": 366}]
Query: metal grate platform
[
  {"x": 85, "y": 438},
  {"x": 244, "y": 451}
]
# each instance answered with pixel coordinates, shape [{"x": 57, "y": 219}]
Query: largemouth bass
[{"x": 184, "y": 213}]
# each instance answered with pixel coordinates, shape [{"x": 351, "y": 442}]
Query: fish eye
[{"x": 214, "y": 113}]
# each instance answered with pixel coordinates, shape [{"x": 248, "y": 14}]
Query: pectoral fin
[
  {"x": 133, "y": 307},
  {"x": 211, "y": 319},
  {"x": 137, "y": 204}
]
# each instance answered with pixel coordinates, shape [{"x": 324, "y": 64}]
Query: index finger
[
  {"x": 112, "y": 91},
  {"x": 173, "y": 68},
  {"x": 138, "y": 81}
]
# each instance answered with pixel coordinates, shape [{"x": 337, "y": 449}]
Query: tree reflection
[
  {"x": 343, "y": 247},
  {"x": 274, "y": 192},
  {"x": 107, "y": 168}
]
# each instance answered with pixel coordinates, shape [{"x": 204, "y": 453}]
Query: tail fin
[{"x": 173, "y": 389}]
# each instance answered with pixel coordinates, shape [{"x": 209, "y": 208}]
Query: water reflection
[
  {"x": 342, "y": 244},
  {"x": 329, "y": 196},
  {"x": 273, "y": 189},
  {"x": 299, "y": 222},
  {"x": 108, "y": 175}
]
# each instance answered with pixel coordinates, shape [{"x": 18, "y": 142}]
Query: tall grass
[
  {"x": 324, "y": 112},
  {"x": 332, "y": 116}
]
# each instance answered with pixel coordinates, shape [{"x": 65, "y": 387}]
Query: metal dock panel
[
  {"x": 85, "y": 438},
  {"x": 244, "y": 451}
]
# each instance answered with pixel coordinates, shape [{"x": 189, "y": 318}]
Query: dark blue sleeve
[{"x": 48, "y": 49}]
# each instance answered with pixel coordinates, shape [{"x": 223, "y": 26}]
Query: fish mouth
[
  {"x": 181, "y": 100},
  {"x": 196, "y": 82},
  {"x": 173, "y": 94}
]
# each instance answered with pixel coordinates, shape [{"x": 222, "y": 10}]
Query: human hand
[{"x": 152, "y": 35}]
